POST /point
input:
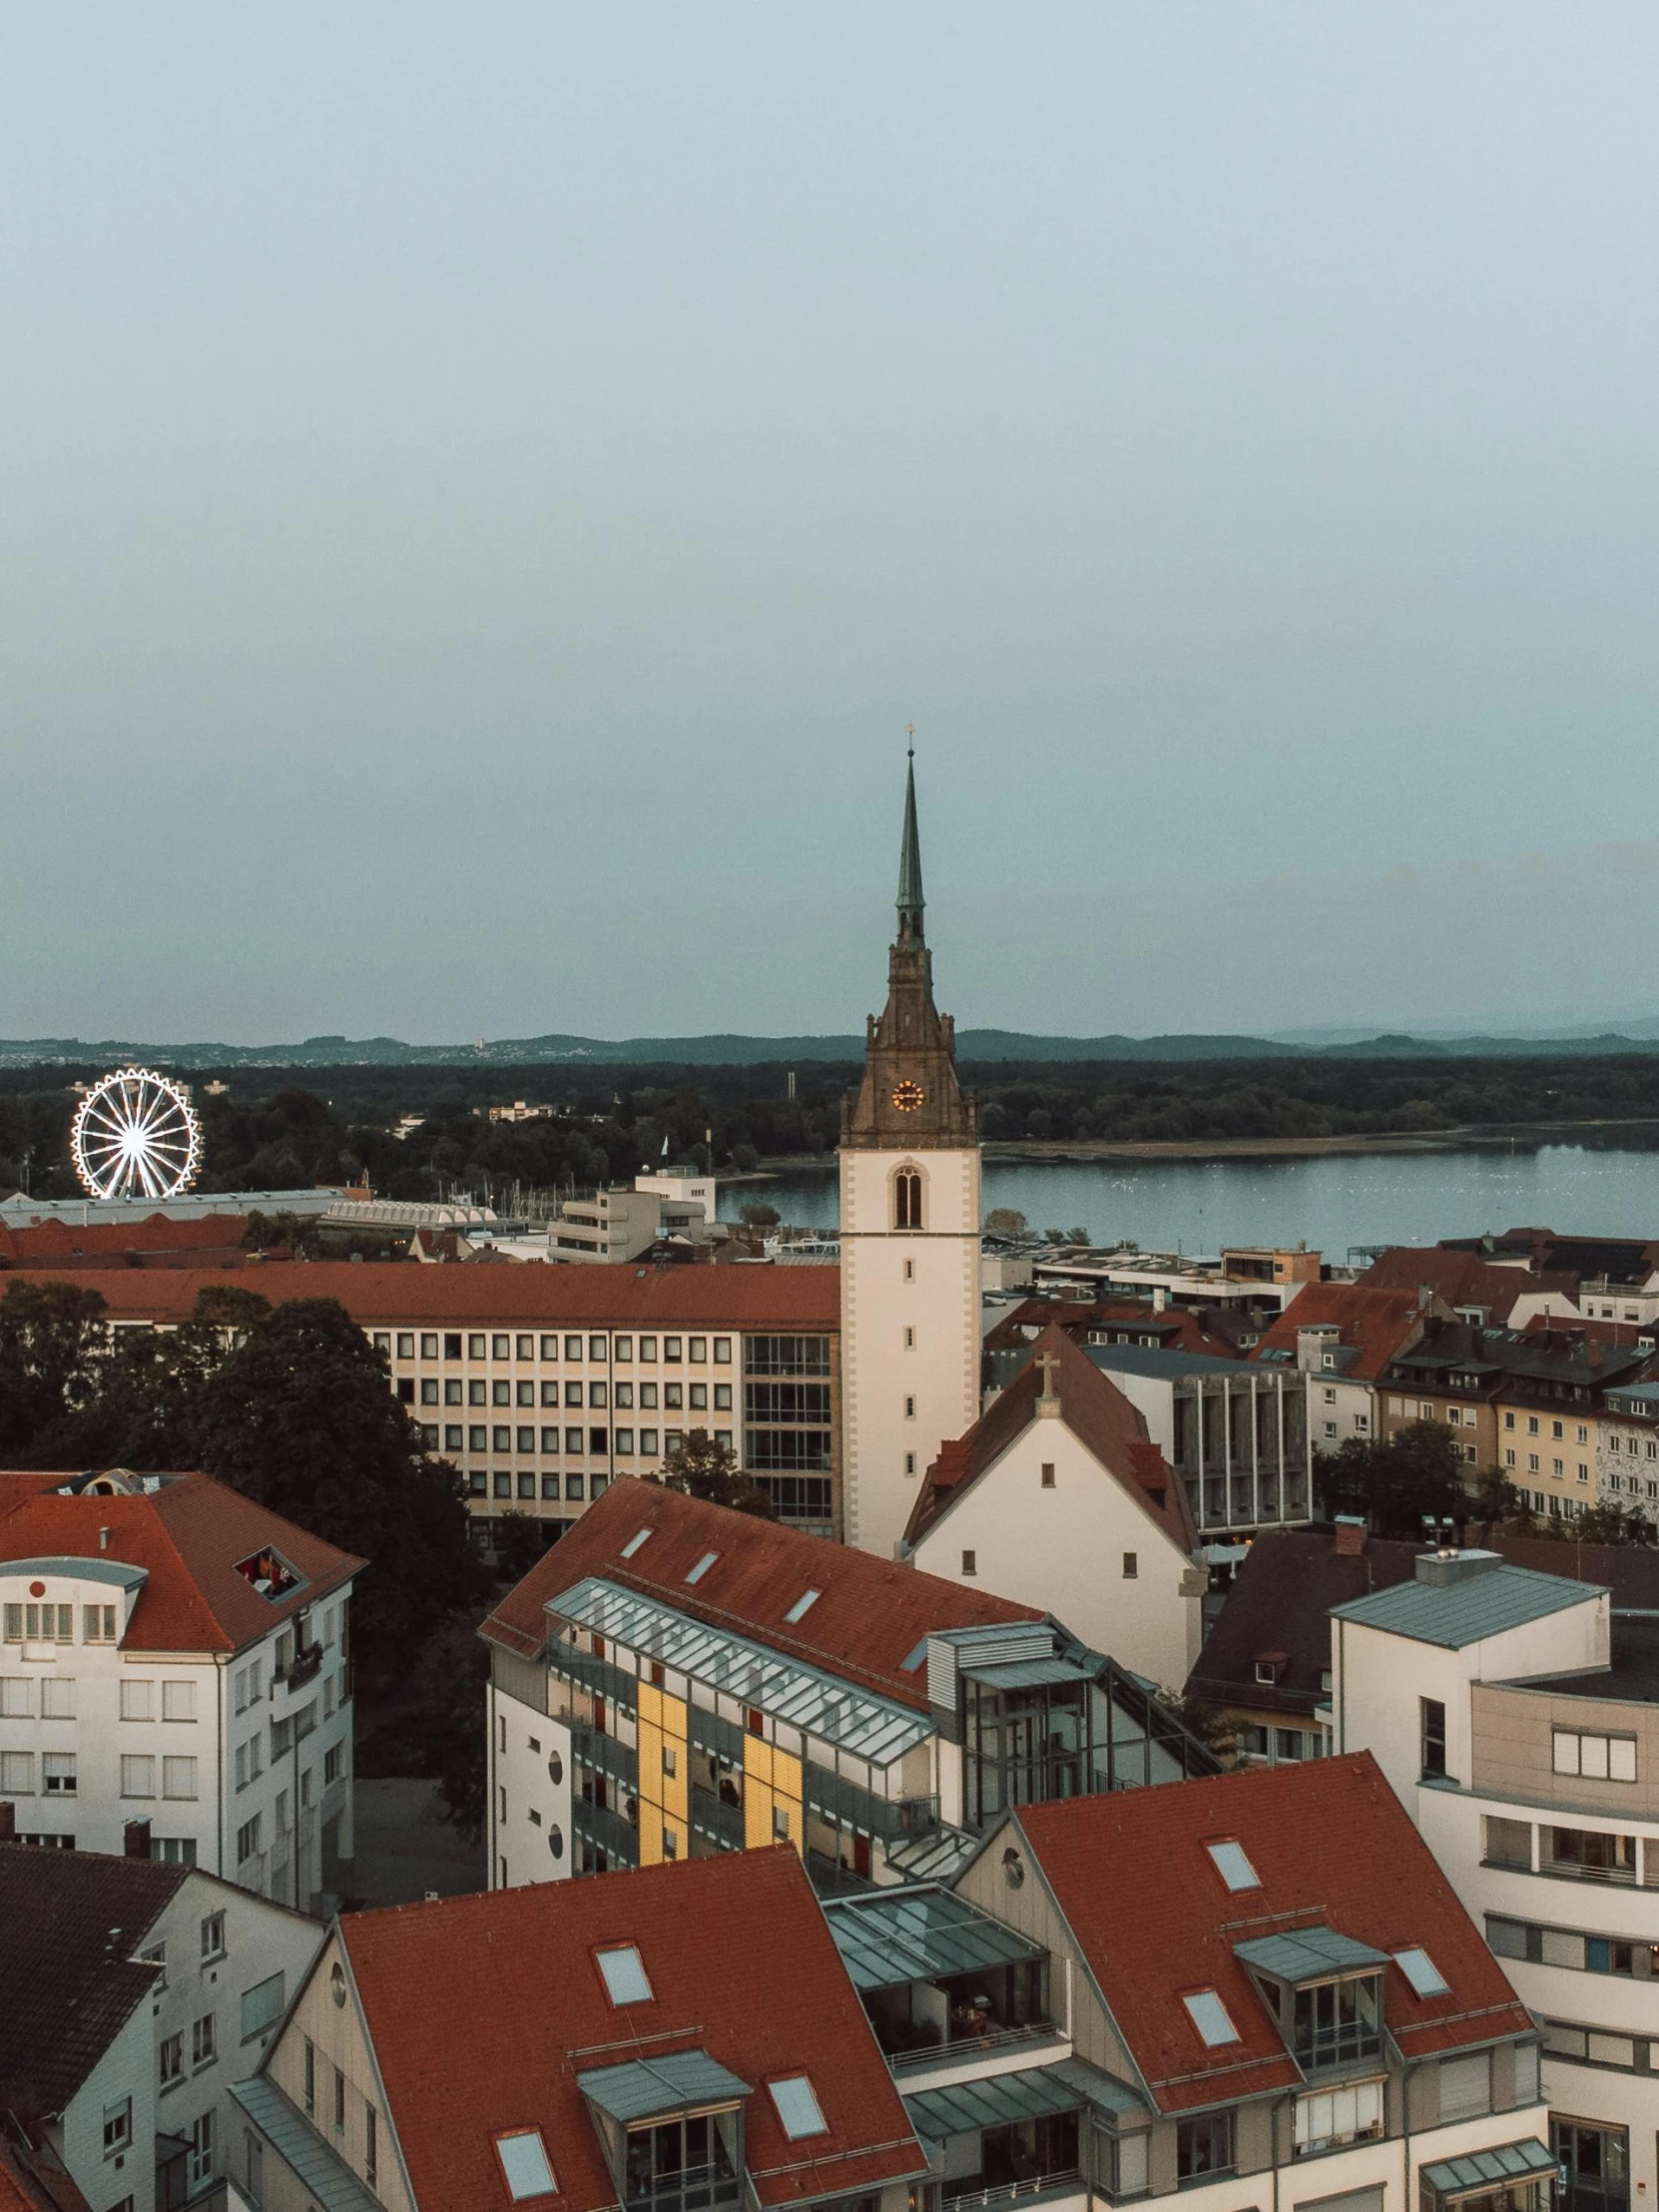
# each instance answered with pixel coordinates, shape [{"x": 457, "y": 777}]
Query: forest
[{"x": 263, "y": 1130}]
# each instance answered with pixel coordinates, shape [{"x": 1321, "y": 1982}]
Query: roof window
[
  {"x": 636, "y": 1543},
  {"x": 270, "y": 1575},
  {"x": 1422, "y": 1972},
  {"x": 798, "y": 2107},
  {"x": 702, "y": 1567},
  {"x": 1234, "y": 1866},
  {"x": 1211, "y": 2017},
  {"x": 626, "y": 1980},
  {"x": 524, "y": 2162},
  {"x": 802, "y": 1606},
  {"x": 909, "y": 1666}
]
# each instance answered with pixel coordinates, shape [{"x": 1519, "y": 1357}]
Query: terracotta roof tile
[
  {"x": 1330, "y": 1843},
  {"x": 152, "y": 1241},
  {"x": 188, "y": 1533},
  {"x": 1462, "y": 1278},
  {"x": 393, "y": 1294},
  {"x": 1371, "y": 1322},
  {"x": 740, "y": 1964},
  {"x": 1097, "y": 1414},
  {"x": 868, "y": 1618}
]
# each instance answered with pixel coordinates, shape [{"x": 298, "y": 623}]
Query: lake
[{"x": 1366, "y": 1198}]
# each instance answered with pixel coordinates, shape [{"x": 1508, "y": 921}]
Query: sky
[{"x": 483, "y": 491}]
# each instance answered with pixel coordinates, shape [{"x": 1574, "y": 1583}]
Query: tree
[
  {"x": 53, "y": 1348},
  {"x": 520, "y": 1540},
  {"x": 1395, "y": 1480},
  {"x": 705, "y": 1467},
  {"x": 298, "y": 1417},
  {"x": 756, "y": 1214},
  {"x": 448, "y": 1698},
  {"x": 1006, "y": 1221},
  {"x": 1601, "y": 1525}
]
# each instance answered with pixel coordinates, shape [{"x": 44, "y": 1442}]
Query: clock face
[{"x": 908, "y": 1096}]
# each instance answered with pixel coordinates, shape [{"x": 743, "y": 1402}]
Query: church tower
[{"x": 909, "y": 1176}]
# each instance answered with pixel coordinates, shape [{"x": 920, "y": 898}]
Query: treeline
[{"x": 267, "y": 1133}]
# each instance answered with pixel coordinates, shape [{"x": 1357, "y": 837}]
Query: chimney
[
  {"x": 134, "y": 1839},
  {"x": 8, "y": 1822},
  {"x": 1351, "y": 1536},
  {"x": 1160, "y": 1298},
  {"x": 1442, "y": 1569}
]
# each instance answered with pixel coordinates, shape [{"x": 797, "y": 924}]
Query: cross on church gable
[{"x": 1049, "y": 1364}]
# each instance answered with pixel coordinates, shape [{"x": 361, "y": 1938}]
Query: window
[
  {"x": 16, "y": 1697},
  {"x": 262, "y": 2006},
  {"x": 1508, "y": 1844},
  {"x": 310, "y": 2078},
  {"x": 178, "y": 1701},
  {"x": 1203, "y": 2148},
  {"x": 204, "y": 2042},
  {"x": 970, "y": 1562},
  {"x": 170, "y": 2060},
  {"x": 1332, "y": 2117},
  {"x": 626, "y": 1981},
  {"x": 430, "y": 1346},
  {"x": 213, "y": 1936},
  {"x": 137, "y": 1700},
  {"x": 636, "y": 1543},
  {"x": 371, "y": 2128},
  {"x": 97, "y": 1624},
  {"x": 780, "y": 1825},
  {"x": 907, "y": 1200},
  {"x": 1233, "y": 1867},
  {"x": 798, "y": 2107},
  {"x": 1131, "y": 1566},
  {"x": 1336, "y": 2023},
  {"x": 334, "y": 1764},
  {"x": 179, "y": 1778},
  {"x": 138, "y": 1776},
  {"x": 57, "y": 1773},
  {"x": 248, "y": 1840},
  {"x": 1422, "y": 1973},
  {"x": 40, "y": 1624},
  {"x": 340, "y": 2102},
  {"x": 702, "y": 1567},
  {"x": 1597, "y": 1758},
  {"x": 1209, "y": 2016},
  {"x": 57, "y": 1698},
  {"x": 17, "y": 1773},
  {"x": 201, "y": 2150},
  {"x": 1466, "y": 2086},
  {"x": 801, "y": 1607},
  {"x": 1432, "y": 1714},
  {"x": 118, "y": 2125},
  {"x": 1047, "y": 1475}
]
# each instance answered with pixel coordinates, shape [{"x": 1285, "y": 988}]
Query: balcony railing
[
  {"x": 605, "y": 1828},
  {"x": 1015, "y": 2192},
  {"x": 901, "y": 2062},
  {"x": 304, "y": 1667}
]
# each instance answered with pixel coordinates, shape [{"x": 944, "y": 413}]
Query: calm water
[{"x": 1365, "y": 1199}]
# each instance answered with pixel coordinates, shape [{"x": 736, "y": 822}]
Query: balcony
[
  {"x": 978, "y": 2044},
  {"x": 303, "y": 1668},
  {"x": 1027, "y": 2191}
]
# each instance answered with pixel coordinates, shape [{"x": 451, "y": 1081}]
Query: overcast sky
[{"x": 482, "y": 491}]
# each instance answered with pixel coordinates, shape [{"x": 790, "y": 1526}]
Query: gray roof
[
  {"x": 1308, "y": 1955},
  {"x": 320, "y": 2168},
  {"x": 1466, "y": 1612},
  {"x": 911, "y": 1935},
  {"x": 1485, "y": 2170},
  {"x": 826, "y": 1706},
  {"x": 995, "y": 2099},
  {"x": 1151, "y": 1359},
  {"x": 643, "y": 2087}
]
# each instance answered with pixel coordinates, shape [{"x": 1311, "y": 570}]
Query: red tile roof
[
  {"x": 401, "y": 1294},
  {"x": 155, "y": 1240},
  {"x": 1463, "y": 1279},
  {"x": 740, "y": 1964},
  {"x": 190, "y": 1534},
  {"x": 1175, "y": 1329},
  {"x": 1155, "y": 1923},
  {"x": 1098, "y": 1416},
  {"x": 868, "y": 1618},
  {"x": 1373, "y": 1321}
]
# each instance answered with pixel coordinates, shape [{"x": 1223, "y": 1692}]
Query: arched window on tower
[{"x": 906, "y": 1198}]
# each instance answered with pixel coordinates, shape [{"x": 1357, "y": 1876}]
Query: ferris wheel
[{"x": 135, "y": 1135}]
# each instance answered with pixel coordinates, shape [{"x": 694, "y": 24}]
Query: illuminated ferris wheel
[{"x": 135, "y": 1135}]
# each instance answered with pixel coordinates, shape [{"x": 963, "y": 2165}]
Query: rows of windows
[
  {"x": 450, "y": 1344},
  {"x": 572, "y": 1441},
  {"x": 55, "y": 1624},
  {"x": 670, "y": 1396}
]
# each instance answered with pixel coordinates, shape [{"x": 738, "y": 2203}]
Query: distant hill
[{"x": 973, "y": 1045}]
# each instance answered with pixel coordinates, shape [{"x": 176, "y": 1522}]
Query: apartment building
[
  {"x": 544, "y": 1384},
  {"x": 1257, "y": 1989},
  {"x": 175, "y": 1678},
  {"x": 1513, "y": 1714},
  {"x": 1627, "y": 1448},
  {"x": 675, "y": 1680},
  {"x": 682, "y": 2039},
  {"x": 133, "y": 1994},
  {"x": 1342, "y": 1337},
  {"x": 1057, "y": 1496}
]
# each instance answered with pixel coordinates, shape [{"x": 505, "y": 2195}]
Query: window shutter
[{"x": 1466, "y": 2086}]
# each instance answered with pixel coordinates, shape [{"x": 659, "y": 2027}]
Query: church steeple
[
  {"x": 911, "y": 901},
  {"x": 910, "y": 1095}
]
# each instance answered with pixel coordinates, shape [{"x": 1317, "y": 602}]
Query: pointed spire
[{"x": 910, "y": 901}]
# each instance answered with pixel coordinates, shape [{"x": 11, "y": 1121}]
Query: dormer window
[
  {"x": 1268, "y": 1665},
  {"x": 271, "y": 1575},
  {"x": 1325, "y": 1992}
]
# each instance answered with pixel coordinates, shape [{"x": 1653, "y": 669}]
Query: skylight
[
  {"x": 703, "y": 1565},
  {"x": 524, "y": 2162},
  {"x": 1422, "y": 1972},
  {"x": 798, "y": 2107},
  {"x": 1209, "y": 2016},
  {"x": 626, "y": 1980},
  {"x": 803, "y": 1606},
  {"x": 909, "y": 1666},
  {"x": 635, "y": 1543},
  {"x": 1233, "y": 1867}
]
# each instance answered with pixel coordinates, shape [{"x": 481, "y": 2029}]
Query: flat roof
[{"x": 1160, "y": 1359}]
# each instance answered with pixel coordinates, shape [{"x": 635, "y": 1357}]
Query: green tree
[
  {"x": 756, "y": 1214},
  {"x": 1601, "y": 1525},
  {"x": 53, "y": 1350},
  {"x": 705, "y": 1467},
  {"x": 448, "y": 1703},
  {"x": 298, "y": 1415},
  {"x": 1394, "y": 1480},
  {"x": 1006, "y": 1221},
  {"x": 520, "y": 1540}
]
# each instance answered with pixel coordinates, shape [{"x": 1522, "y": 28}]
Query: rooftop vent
[{"x": 1444, "y": 1570}]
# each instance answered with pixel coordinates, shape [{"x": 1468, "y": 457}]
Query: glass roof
[
  {"x": 1308, "y": 1955},
  {"x": 899, "y": 1935},
  {"x": 643, "y": 2088},
  {"x": 995, "y": 2099},
  {"x": 837, "y": 1712}
]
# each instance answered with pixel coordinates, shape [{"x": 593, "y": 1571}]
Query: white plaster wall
[
  {"x": 1378, "y": 2165},
  {"x": 1063, "y": 1550},
  {"x": 127, "y": 2068},
  {"x": 523, "y": 1741},
  {"x": 940, "y": 1302}
]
